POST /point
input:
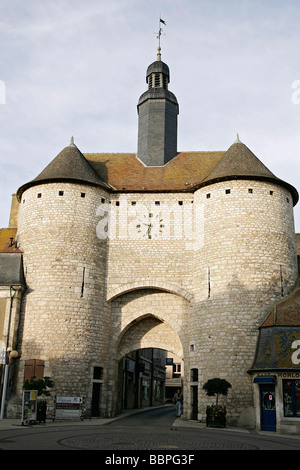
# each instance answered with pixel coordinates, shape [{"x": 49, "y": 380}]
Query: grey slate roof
[
  {"x": 158, "y": 94},
  {"x": 69, "y": 165},
  {"x": 125, "y": 171},
  {"x": 240, "y": 163},
  {"x": 11, "y": 269},
  {"x": 274, "y": 349},
  {"x": 158, "y": 67}
]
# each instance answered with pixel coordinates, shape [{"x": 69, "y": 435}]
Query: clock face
[{"x": 149, "y": 227}]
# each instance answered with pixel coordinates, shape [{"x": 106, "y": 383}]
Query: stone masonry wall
[
  {"x": 245, "y": 261},
  {"x": 192, "y": 273},
  {"x": 64, "y": 319}
]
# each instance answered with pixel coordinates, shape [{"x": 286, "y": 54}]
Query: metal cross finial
[{"x": 158, "y": 37}]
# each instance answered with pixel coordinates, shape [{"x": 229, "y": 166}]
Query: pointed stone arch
[{"x": 148, "y": 331}]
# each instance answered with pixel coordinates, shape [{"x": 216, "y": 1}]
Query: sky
[{"x": 73, "y": 68}]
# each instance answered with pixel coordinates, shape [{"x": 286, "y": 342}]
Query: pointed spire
[
  {"x": 72, "y": 142},
  {"x": 237, "y": 141},
  {"x": 158, "y": 53}
]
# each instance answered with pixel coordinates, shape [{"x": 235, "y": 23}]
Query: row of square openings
[
  {"x": 157, "y": 203},
  {"x": 60, "y": 193},
  {"x": 250, "y": 191}
]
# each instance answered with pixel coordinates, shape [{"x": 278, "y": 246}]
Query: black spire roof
[
  {"x": 69, "y": 165},
  {"x": 240, "y": 163}
]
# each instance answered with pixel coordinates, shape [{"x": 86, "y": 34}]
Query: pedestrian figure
[{"x": 177, "y": 400}]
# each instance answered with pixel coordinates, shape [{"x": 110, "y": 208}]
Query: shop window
[
  {"x": 176, "y": 370},
  {"x": 291, "y": 398},
  {"x": 34, "y": 368}
]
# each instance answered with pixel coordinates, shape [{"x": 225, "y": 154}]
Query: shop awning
[{"x": 265, "y": 379}]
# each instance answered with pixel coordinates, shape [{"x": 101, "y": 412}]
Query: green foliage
[
  {"x": 41, "y": 385},
  {"x": 216, "y": 387}
]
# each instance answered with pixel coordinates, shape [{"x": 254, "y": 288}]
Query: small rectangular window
[
  {"x": 180, "y": 203},
  {"x": 250, "y": 190},
  {"x": 133, "y": 203},
  {"x": 208, "y": 196},
  {"x": 102, "y": 200},
  {"x": 82, "y": 194},
  {"x": 157, "y": 203},
  {"x": 227, "y": 191},
  {"x": 271, "y": 193},
  {"x": 98, "y": 373},
  {"x": 39, "y": 195},
  {"x": 194, "y": 375},
  {"x": 60, "y": 193},
  {"x": 117, "y": 203}
]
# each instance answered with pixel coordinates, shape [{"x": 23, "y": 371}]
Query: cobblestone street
[{"x": 155, "y": 430}]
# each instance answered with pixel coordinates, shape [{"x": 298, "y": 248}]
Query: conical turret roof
[
  {"x": 239, "y": 162},
  {"x": 69, "y": 165}
]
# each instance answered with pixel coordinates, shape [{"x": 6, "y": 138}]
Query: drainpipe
[{"x": 6, "y": 369}]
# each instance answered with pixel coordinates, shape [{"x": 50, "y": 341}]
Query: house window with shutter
[{"x": 34, "y": 368}]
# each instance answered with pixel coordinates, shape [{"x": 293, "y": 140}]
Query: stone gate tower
[{"x": 182, "y": 251}]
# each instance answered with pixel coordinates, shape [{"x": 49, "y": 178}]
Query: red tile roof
[{"x": 5, "y": 235}]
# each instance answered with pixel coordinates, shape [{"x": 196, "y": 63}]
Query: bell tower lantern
[{"x": 157, "y": 117}]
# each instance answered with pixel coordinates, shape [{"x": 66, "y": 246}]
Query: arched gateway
[{"x": 145, "y": 318}]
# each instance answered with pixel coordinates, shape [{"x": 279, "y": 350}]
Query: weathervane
[{"x": 158, "y": 37}]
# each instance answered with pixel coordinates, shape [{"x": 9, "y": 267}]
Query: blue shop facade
[{"x": 276, "y": 369}]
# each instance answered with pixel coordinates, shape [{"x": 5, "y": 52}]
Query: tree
[
  {"x": 216, "y": 387},
  {"x": 41, "y": 385}
]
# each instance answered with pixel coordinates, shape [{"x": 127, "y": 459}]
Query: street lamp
[{"x": 8, "y": 354}]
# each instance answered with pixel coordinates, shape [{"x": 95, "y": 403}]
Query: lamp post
[{"x": 8, "y": 354}]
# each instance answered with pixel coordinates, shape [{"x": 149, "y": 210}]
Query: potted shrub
[{"x": 216, "y": 414}]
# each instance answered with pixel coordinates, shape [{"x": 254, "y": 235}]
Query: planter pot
[
  {"x": 41, "y": 413},
  {"x": 216, "y": 416}
]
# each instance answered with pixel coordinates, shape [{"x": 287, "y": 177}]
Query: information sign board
[
  {"x": 29, "y": 405},
  {"x": 68, "y": 407}
]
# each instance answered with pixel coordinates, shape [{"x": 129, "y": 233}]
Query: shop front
[{"x": 276, "y": 369}]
